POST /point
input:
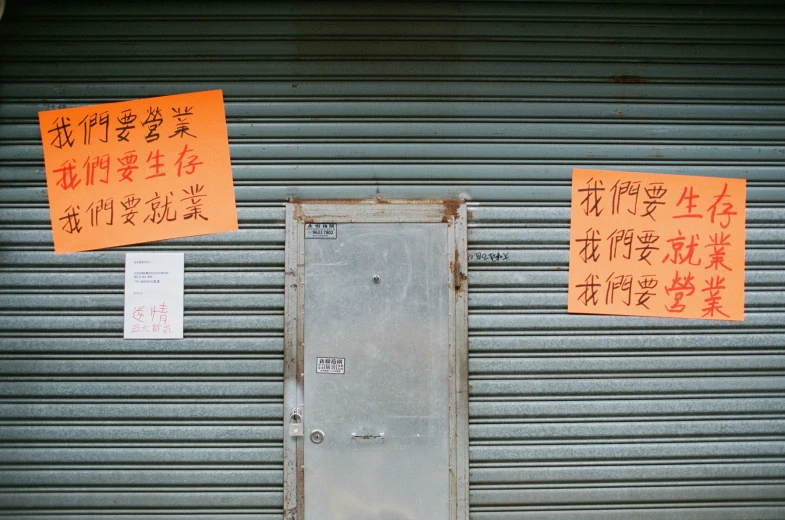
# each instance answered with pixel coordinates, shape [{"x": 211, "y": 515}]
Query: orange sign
[
  {"x": 644, "y": 244},
  {"x": 138, "y": 171}
]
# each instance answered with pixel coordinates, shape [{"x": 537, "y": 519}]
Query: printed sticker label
[
  {"x": 328, "y": 231},
  {"x": 330, "y": 365}
]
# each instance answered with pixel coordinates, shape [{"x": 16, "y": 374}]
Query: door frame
[{"x": 376, "y": 211}]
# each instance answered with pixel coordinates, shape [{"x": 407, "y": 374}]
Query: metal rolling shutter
[{"x": 577, "y": 417}]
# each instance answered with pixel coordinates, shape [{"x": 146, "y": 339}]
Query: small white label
[
  {"x": 330, "y": 365},
  {"x": 329, "y": 231}
]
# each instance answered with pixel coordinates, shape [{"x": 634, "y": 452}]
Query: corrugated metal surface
[{"x": 578, "y": 417}]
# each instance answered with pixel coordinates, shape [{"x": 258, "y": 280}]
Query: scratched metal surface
[
  {"x": 394, "y": 338},
  {"x": 572, "y": 417}
]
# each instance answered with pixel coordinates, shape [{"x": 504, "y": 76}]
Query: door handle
[{"x": 367, "y": 436}]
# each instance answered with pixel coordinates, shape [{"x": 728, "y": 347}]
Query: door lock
[
  {"x": 296, "y": 427},
  {"x": 317, "y": 436}
]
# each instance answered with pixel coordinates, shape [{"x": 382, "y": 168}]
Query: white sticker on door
[
  {"x": 330, "y": 365},
  {"x": 329, "y": 231}
]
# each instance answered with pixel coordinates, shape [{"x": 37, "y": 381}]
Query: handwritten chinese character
[
  {"x": 160, "y": 210},
  {"x": 101, "y": 206},
  {"x": 647, "y": 283},
  {"x": 689, "y": 196},
  {"x": 655, "y": 191},
  {"x": 681, "y": 287},
  {"x": 727, "y": 210},
  {"x": 647, "y": 240},
  {"x": 681, "y": 254},
  {"x": 591, "y": 246},
  {"x": 72, "y": 222},
  {"x": 623, "y": 237},
  {"x": 182, "y": 121},
  {"x": 713, "y": 302},
  {"x": 138, "y": 313},
  {"x": 194, "y": 194},
  {"x": 157, "y": 165},
  {"x": 158, "y": 314},
  {"x": 96, "y": 164},
  {"x": 629, "y": 188},
  {"x": 62, "y": 133},
  {"x": 126, "y": 121},
  {"x": 127, "y": 165},
  {"x": 68, "y": 177},
  {"x": 718, "y": 242},
  {"x": 160, "y": 318},
  {"x": 190, "y": 167},
  {"x": 129, "y": 203},
  {"x": 91, "y": 121},
  {"x": 622, "y": 283},
  {"x": 591, "y": 201},
  {"x": 152, "y": 122},
  {"x": 590, "y": 289}
]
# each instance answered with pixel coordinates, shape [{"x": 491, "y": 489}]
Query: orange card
[
  {"x": 138, "y": 171},
  {"x": 645, "y": 244}
]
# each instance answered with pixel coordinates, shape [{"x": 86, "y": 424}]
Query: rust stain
[
  {"x": 375, "y": 200},
  {"x": 460, "y": 276},
  {"x": 629, "y": 79},
  {"x": 298, "y": 215},
  {"x": 451, "y": 206}
]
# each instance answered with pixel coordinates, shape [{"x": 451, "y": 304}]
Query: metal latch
[
  {"x": 296, "y": 428},
  {"x": 367, "y": 436}
]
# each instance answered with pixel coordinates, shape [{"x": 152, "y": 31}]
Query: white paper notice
[{"x": 154, "y": 295}]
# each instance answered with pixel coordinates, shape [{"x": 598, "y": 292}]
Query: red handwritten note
[
  {"x": 138, "y": 171},
  {"x": 644, "y": 244}
]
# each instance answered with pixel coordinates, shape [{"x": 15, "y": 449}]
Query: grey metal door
[{"x": 376, "y": 373}]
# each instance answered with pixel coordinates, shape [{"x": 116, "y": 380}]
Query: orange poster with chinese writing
[
  {"x": 138, "y": 171},
  {"x": 644, "y": 244}
]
